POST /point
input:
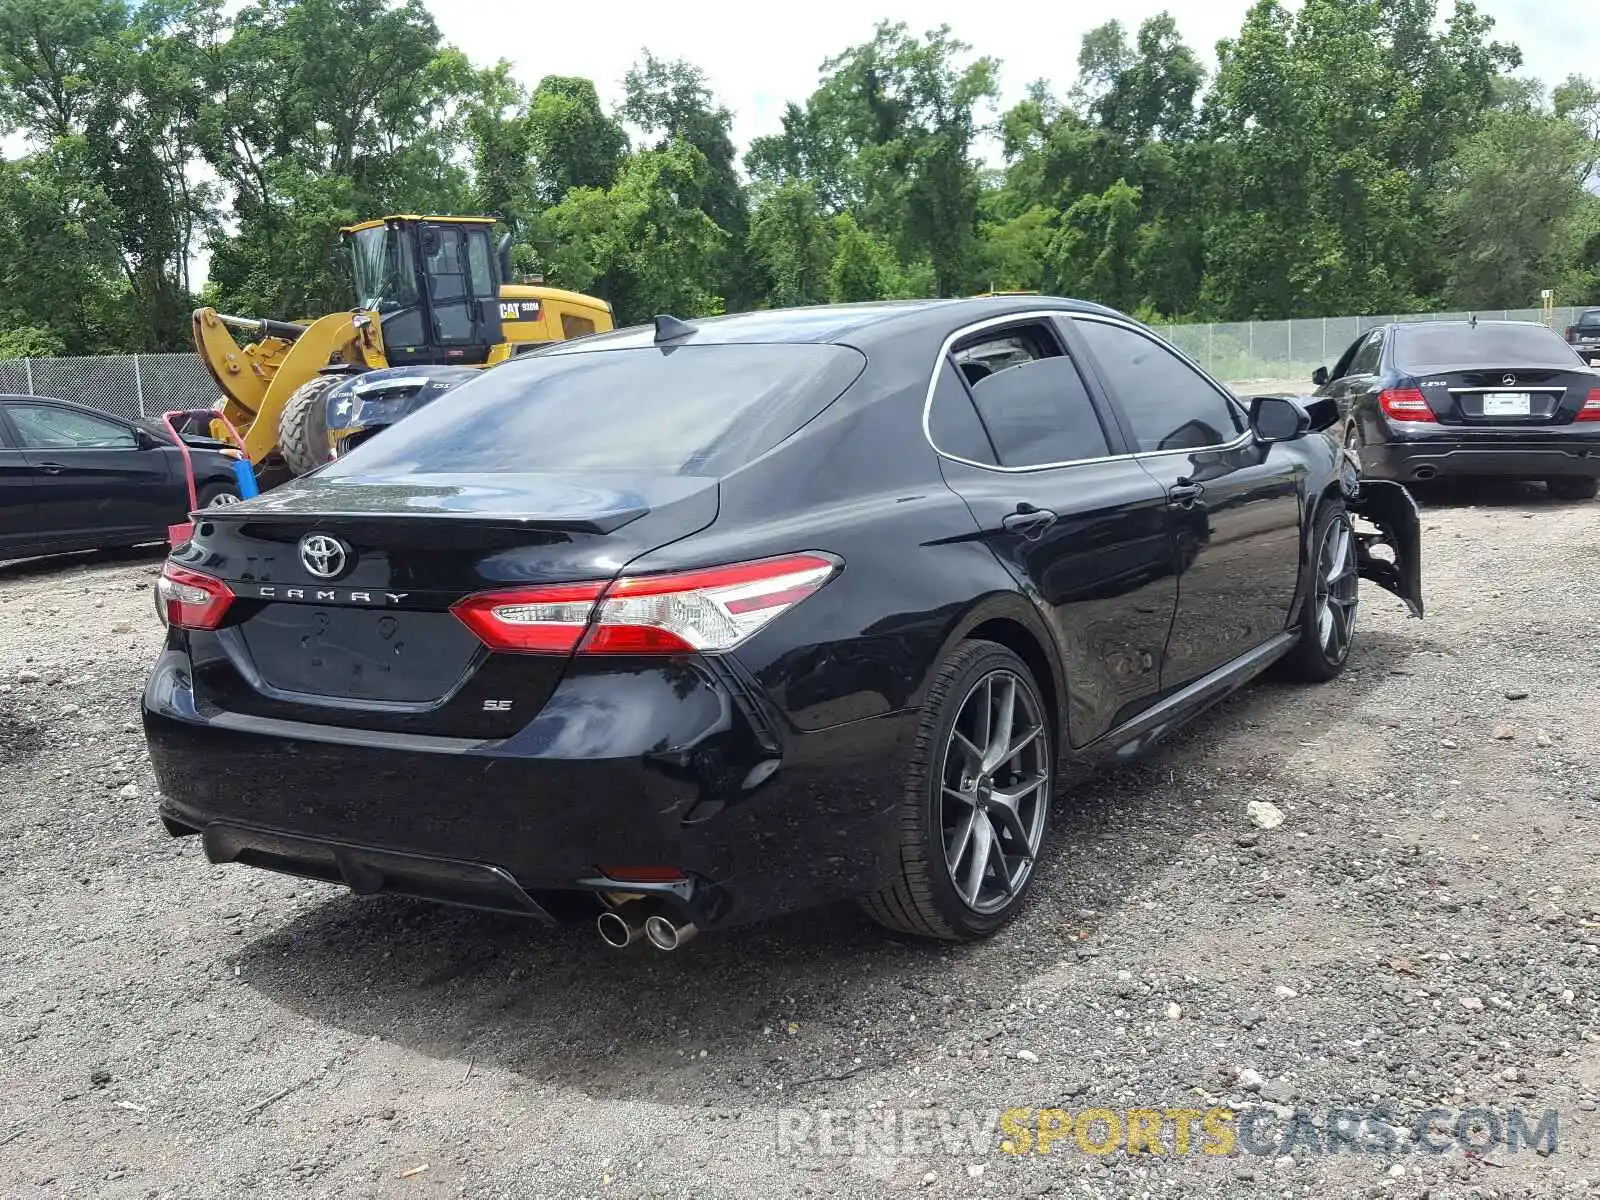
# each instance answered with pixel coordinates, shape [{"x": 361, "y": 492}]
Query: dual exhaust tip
[{"x": 624, "y": 925}]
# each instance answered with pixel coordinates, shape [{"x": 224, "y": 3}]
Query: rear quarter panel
[{"x": 860, "y": 481}]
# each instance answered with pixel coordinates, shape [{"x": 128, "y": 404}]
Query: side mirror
[
  {"x": 144, "y": 439},
  {"x": 503, "y": 254},
  {"x": 1320, "y": 376},
  {"x": 1278, "y": 419}
]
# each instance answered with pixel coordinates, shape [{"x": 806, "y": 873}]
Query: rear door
[
  {"x": 1077, "y": 522},
  {"x": 19, "y": 516},
  {"x": 1233, "y": 506},
  {"x": 1358, "y": 388},
  {"x": 93, "y": 479}
]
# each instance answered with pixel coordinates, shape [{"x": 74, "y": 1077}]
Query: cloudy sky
[{"x": 759, "y": 56}]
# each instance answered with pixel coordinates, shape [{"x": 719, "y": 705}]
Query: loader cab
[{"x": 434, "y": 284}]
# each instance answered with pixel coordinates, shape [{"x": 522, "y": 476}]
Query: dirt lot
[{"x": 1423, "y": 930}]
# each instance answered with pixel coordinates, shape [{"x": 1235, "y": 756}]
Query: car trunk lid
[
  {"x": 1506, "y": 396},
  {"x": 343, "y": 590}
]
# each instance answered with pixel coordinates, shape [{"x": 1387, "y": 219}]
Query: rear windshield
[
  {"x": 1490, "y": 344},
  {"x": 685, "y": 410},
  {"x": 1590, "y": 319}
]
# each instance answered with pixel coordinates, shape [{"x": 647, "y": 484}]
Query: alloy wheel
[
  {"x": 995, "y": 791},
  {"x": 221, "y": 499},
  {"x": 1337, "y": 589}
]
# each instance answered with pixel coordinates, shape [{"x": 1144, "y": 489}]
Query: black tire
[
  {"x": 1313, "y": 658},
  {"x": 303, "y": 425},
  {"x": 218, "y": 492},
  {"x": 1572, "y": 487},
  {"x": 923, "y": 899}
]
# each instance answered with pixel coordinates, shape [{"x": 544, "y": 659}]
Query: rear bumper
[
  {"x": 1442, "y": 457},
  {"x": 523, "y": 824}
]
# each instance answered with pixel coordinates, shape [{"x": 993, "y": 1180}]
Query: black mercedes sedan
[
  {"x": 689, "y": 625},
  {"x": 1470, "y": 398}
]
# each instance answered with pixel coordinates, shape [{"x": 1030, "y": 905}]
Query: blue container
[{"x": 246, "y": 476}]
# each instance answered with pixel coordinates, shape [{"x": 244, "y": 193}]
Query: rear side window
[
  {"x": 953, "y": 422},
  {"x": 682, "y": 410},
  {"x": 1423, "y": 347}
]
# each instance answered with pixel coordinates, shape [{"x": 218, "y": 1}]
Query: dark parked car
[
  {"x": 1584, "y": 336},
  {"x": 694, "y": 625},
  {"x": 75, "y": 478},
  {"x": 1459, "y": 398}
]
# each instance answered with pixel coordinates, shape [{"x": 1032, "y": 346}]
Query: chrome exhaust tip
[
  {"x": 666, "y": 934},
  {"x": 616, "y": 930}
]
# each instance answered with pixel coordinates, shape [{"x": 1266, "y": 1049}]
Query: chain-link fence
[
  {"x": 130, "y": 385},
  {"x": 146, "y": 385},
  {"x": 1242, "y": 351}
]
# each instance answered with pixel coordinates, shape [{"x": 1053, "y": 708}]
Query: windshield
[
  {"x": 1433, "y": 347},
  {"x": 385, "y": 276},
  {"x": 1590, "y": 319},
  {"x": 690, "y": 410}
]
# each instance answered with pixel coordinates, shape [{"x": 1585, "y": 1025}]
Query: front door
[
  {"x": 1077, "y": 522},
  {"x": 19, "y": 516},
  {"x": 1233, "y": 505}
]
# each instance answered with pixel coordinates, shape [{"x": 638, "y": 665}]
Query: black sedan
[
  {"x": 686, "y": 626},
  {"x": 1459, "y": 399},
  {"x": 75, "y": 478},
  {"x": 1584, "y": 336}
]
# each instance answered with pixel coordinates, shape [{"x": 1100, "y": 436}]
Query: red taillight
[
  {"x": 547, "y": 620},
  {"x": 190, "y": 600},
  {"x": 1405, "y": 404},
  {"x": 1591, "y": 407},
  {"x": 675, "y": 613}
]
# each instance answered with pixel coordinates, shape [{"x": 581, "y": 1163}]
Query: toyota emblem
[
  {"x": 1508, "y": 380},
  {"x": 323, "y": 556}
]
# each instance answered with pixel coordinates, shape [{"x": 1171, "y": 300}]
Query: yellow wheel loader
[{"x": 434, "y": 305}]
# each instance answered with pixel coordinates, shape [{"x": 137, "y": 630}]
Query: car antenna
[{"x": 670, "y": 329}]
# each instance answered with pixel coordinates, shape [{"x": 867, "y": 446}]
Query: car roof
[
  {"x": 1465, "y": 325},
  {"x": 837, "y": 323}
]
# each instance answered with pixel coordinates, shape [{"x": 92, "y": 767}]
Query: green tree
[
  {"x": 574, "y": 142},
  {"x": 641, "y": 243},
  {"x": 1514, "y": 207},
  {"x": 792, "y": 245},
  {"x": 889, "y": 134}
]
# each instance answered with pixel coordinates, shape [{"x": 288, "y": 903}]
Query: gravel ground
[{"x": 1422, "y": 930}]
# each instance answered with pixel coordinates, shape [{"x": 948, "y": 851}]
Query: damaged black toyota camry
[{"x": 689, "y": 625}]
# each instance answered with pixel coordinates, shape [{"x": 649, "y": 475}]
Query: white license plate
[{"x": 1506, "y": 404}]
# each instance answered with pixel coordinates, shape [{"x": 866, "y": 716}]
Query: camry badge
[{"x": 323, "y": 556}]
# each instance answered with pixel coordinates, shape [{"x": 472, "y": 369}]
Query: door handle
[
  {"x": 51, "y": 468},
  {"x": 1029, "y": 521},
  {"x": 1185, "y": 493}
]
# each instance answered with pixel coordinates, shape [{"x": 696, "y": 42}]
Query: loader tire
[{"x": 303, "y": 426}]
